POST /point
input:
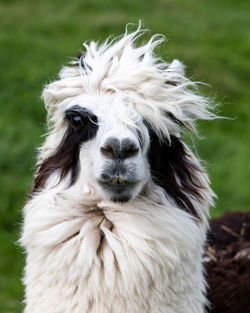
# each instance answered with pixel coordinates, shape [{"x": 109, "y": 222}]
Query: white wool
[
  {"x": 86, "y": 254},
  {"x": 149, "y": 262}
]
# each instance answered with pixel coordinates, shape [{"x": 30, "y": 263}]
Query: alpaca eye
[
  {"x": 76, "y": 121},
  {"x": 77, "y": 118}
]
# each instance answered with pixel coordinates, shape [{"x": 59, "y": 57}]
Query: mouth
[{"x": 118, "y": 189}]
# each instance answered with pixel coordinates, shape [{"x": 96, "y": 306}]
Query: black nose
[{"x": 119, "y": 149}]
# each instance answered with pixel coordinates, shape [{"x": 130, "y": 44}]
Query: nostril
[
  {"x": 107, "y": 151},
  {"x": 129, "y": 148},
  {"x": 131, "y": 152}
]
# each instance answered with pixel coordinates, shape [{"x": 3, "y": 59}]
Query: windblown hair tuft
[{"x": 158, "y": 90}]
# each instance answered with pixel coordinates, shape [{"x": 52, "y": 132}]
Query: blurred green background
[{"x": 37, "y": 37}]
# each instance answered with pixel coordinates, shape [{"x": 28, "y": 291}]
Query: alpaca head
[
  {"x": 103, "y": 146},
  {"x": 116, "y": 116}
]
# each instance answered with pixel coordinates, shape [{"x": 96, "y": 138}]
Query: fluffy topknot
[{"x": 158, "y": 90}]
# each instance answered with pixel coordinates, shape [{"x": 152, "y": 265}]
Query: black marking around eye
[
  {"x": 82, "y": 127},
  {"x": 80, "y": 117}
]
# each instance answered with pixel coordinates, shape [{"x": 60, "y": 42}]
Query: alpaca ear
[
  {"x": 177, "y": 171},
  {"x": 177, "y": 67},
  {"x": 64, "y": 88},
  {"x": 49, "y": 98},
  {"x": 184, "y": 105}
]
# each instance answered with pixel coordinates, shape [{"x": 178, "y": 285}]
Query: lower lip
[
  {"x": 123, "y": 185},
  {"x": 118, "y": 192}
]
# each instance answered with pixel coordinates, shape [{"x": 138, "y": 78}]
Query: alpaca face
[
  {"x": 109, "y": 146},
  {"x": 112, "y": 145},
  {"x": 116, "y": 118}
]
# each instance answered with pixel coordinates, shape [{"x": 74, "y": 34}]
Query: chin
[{"x": 120, "y": 192}]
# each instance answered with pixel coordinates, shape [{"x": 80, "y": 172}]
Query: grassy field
[{"x": 36, "y": 37}]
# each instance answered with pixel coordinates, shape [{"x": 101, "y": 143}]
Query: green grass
[{"x": 36, "y": 37}]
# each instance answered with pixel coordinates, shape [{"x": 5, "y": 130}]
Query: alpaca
[{"x": 117, "y": 218}]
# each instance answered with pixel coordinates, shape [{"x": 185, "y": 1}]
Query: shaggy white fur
[{"x": 88, "y": 254}]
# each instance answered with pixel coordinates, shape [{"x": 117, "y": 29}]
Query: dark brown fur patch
[
  {"x": 65, "y": 159},
  {"x": 172, "y": 169}
]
